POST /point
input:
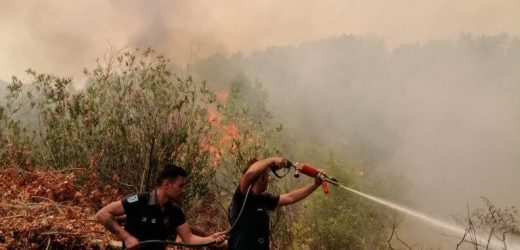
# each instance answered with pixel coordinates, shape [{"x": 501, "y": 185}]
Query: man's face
[{"x": 176, "y": 188}]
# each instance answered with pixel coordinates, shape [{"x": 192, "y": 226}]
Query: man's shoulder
[{"x": 136, "y": 199}]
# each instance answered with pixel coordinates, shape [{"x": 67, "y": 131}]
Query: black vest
[{"x": 146, "y": 221}]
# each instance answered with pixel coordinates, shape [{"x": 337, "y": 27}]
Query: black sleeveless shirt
[{"x": 252, "y": 229}]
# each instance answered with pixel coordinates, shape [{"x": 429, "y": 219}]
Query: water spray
[{"x": 311, "y": 171}]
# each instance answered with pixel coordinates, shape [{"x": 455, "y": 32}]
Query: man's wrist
[{"x": 125, "y": 235}]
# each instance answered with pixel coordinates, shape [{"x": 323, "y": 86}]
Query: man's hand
[
  {"x": 219, "y": 237},
  {"x": 320, "y": 178},
  {"x": 279, "y": 163},
  {"x": 131, "y": 242}
]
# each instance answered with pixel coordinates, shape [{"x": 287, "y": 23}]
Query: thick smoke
[{"x": 62, "y": 37}]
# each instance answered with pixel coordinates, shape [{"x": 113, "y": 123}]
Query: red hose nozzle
[
  {"x": 308, "y": 170},
  {"x": 312, "y": 172}
]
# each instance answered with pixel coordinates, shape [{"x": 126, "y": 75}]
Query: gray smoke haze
[
  {"x": 64, "y": 36},
  {"x": 408, "y": 93}
]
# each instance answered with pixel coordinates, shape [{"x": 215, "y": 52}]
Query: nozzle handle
[{"x": 325, "y": 187}]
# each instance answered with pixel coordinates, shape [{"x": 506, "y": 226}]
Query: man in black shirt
[
  {"x": 252, "y": 228},
  {"x": 154, "y": 215}
]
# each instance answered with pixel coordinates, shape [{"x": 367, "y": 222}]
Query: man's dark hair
[{"x": 169, "y": 172}]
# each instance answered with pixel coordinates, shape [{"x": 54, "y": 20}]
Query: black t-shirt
[
  {"x": 146, "y": 221},
  {"x": 252, "y": 230}
]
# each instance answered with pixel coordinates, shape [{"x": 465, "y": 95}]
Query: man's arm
[
  {"x": 296, "y": 195},
  {"x": 188, "y": 237},
  {"x": 256, "y": 170},
  {"x": 301, "y": 193},
  {"x": 106, "y": 217}
]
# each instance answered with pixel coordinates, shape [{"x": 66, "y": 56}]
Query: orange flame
[
  {"x": 231, "y": 132},
  {"x": 223, "y": 137},
  {"x": 222, "y": 95},
  {"x": 213, "y": 117}
]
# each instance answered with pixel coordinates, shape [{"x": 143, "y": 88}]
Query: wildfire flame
[
  {"x": 213, "y": 117},
  {"x": 222, "y": 96},
  {"x": 223, "y": 137}
]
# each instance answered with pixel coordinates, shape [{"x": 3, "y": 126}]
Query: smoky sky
[{"x": 62, "y": 37}]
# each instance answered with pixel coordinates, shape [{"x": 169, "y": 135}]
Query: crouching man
[{"x": 154, "y": 215}]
